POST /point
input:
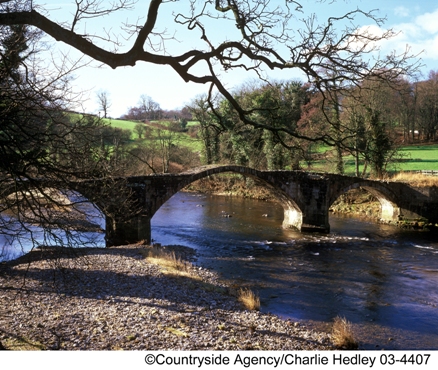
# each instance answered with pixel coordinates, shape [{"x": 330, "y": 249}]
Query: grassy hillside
[
  {"x": 181, "y": 138},
  {"x": 119, "y": 123}
]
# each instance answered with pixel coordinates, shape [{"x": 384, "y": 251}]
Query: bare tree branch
[{"x": 259, "y": 34}]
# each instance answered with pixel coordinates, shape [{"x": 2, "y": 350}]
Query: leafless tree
[
  {"x": 151, "y": 110},
  {"x": 167, "y": 141},
  {"x": 104, "y": 102},
  {"x": 209, "y": 131},
  {"x": 257, "y": 35}
]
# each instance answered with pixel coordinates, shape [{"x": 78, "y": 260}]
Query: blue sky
[{"x": 416, "y": 22}]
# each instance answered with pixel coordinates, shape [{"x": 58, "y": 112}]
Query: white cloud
[
  {"x": 362, "y": 36},
  {"x": 428, "y": 22},
  {"x": 420, "y": 36},
  {"x": 402, "y": 11},
  {"x": 430, "y": 47},
  {"x": 409, "y": 38},
  {"x": 408, "y": 31}
]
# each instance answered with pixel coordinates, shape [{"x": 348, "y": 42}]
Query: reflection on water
[{"x": 379, "y": 277}]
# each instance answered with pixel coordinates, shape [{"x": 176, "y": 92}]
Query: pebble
[{"x": 113, "y": 299}]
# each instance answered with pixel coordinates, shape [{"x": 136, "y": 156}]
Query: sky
[{"x": 415, "y": 22}]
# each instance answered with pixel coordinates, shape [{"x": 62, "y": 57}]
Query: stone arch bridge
[{"x": 306, "y": 198}]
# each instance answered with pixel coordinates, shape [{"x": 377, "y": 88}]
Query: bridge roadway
[{"x": 306, "y": 198}]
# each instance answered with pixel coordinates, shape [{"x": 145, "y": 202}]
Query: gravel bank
[{"x": 108, "y": 299}]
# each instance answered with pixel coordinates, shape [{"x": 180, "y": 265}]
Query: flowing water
[{"x": 382, "y": 279}]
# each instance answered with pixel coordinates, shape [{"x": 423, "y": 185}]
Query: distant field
[
  {"x": 182, "y": 138},
  {"x": 419, "y": 157},
  {"x": 414, "y": 158},
  {"x": 119, "y": 123}
]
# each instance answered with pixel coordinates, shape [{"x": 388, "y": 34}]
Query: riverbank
[
  {"x": 114, "y": 298},
  {"x": 357, "y": 203},
  {"x": 232, "y": 186}
]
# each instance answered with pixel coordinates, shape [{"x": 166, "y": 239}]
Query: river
[{"x": 381, "y": 278}]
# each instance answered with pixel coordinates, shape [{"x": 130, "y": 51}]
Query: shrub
[
  {"x": 416, "y": 179},
  {"x": 249, "y": 299},
  {"x": 169, "y": 260},
  {"x": 342, "y": 334}
]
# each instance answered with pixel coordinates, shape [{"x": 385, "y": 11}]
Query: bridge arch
[
  {"x": 293, "y": 210},
  {"x": 58, "y": 212},
  {"x": 389, "y": 207},
  {"x": 55, "y": 192}
]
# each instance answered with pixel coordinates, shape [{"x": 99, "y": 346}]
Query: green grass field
[
  {"x": 419, "y": 157},
  {"x": 119, "y": 123},
  {"x": 413, "y": 158},
  {"x": 182, "y": 138}
]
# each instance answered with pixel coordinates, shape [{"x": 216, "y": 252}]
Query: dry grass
[
  {"x": 169, "y": 261},
  {"x": 249, "y": 299},
  {"x": 22, "y": 344},
  {"x": 342, "y": 334},
  {"x": 416, "y": 179}
]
